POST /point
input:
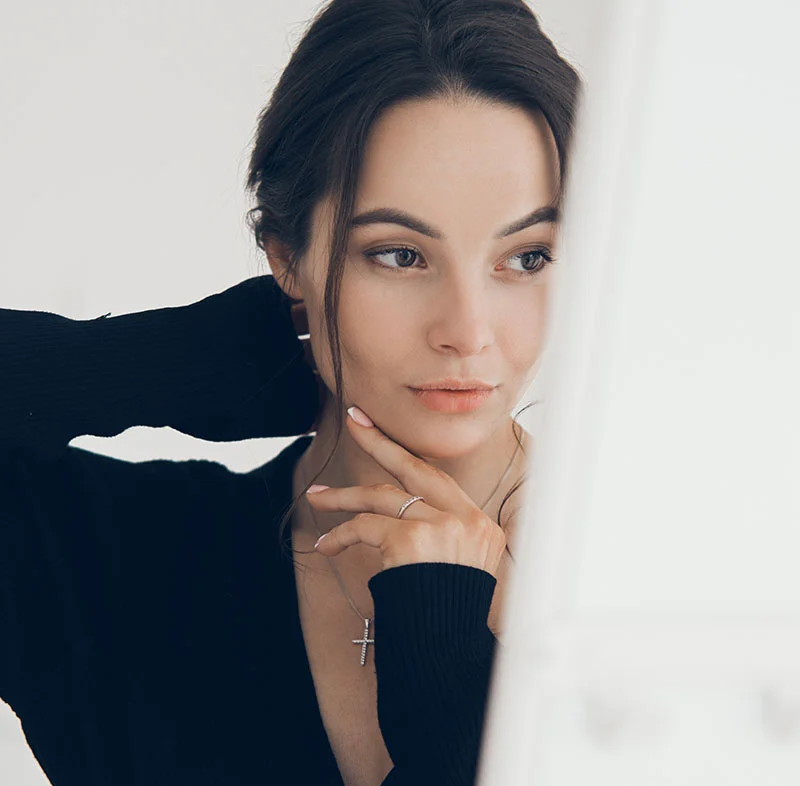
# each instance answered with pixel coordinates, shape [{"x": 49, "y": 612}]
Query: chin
[{"x": 446, "y": 443}]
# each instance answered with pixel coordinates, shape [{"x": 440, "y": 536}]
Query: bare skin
[{"x": 468, "y": 170}]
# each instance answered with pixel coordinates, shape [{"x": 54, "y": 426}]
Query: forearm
[
  {"x": 433, "y": 655},
  {"x": 225, "y": 368}
]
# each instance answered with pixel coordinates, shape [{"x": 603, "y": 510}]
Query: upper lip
[{"x": 455, "y": 383}]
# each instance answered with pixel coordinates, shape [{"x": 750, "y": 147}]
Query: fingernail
[
  {"x": 315, "y": 488},
  {"x": 359, "y": 416},
  {"x": 318, "y": 540}
]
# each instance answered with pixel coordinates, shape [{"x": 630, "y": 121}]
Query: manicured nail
[
  {"x": 315, "y": 488},
  {"x": 318, "y": 540},
  {"x": 359, "y": 416}
]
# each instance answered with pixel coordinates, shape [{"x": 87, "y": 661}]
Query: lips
[
  {"x": 452, "y": 401},
  {"x": 455, "y": 383},
  {"x": 457, "y": 390}
]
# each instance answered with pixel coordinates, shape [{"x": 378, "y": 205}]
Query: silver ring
[{"x": 407, "y": 503}]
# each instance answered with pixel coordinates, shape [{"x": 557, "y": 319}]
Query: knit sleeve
[
  {"x": 433, "y": 658},
  {"x": 225, "y": 368}
]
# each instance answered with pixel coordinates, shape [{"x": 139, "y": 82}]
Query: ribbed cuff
[
  {"x": 265, "y": 388},
  {"x": 437, "y": 602},
  {"x": 434, "y": 653}
]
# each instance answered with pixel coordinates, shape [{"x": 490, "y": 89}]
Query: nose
[{"x": 462, "y": 317}]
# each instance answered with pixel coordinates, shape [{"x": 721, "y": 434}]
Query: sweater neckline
[{"x": 281, "y": 469}]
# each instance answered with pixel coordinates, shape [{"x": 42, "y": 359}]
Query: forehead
[
  {"x": 459, "y": 163},
  {"x": 465, "y": 167}
]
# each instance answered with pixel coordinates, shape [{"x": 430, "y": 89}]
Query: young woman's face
[{"x": 465, "y": 303}]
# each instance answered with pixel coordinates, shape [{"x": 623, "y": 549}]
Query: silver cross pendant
[{"x": 364, "y": 642}]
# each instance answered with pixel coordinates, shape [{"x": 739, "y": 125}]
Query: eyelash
[{"x": 544, "y": 252}]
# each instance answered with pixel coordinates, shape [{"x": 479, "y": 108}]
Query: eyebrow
[{"x": 389, "y": 215}]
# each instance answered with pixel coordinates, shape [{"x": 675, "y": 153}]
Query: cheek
[
  {"x": 541, "y": 308},
  {"x": 375, "y": 331},
  {"x": 523, "y": 329},
  {"x": 378, "y": 333},
  {"x": 373, "y": 334}
]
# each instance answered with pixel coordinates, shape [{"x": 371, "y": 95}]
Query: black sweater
[{"x": 149, "y": 627}]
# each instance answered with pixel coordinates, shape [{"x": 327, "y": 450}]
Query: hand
[
  {"x": 300, "y": 320},
  {"x": 446, "y": 526}
]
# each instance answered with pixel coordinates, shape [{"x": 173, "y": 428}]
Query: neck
[{"x": 476, "y": 472}]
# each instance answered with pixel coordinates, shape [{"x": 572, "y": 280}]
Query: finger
[
  {"x": 370, "y": 529},
  {"x": 382, "y": 500},
  {"x": 413, "y": 474}
]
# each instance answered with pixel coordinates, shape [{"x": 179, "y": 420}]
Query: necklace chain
[{"x": 336, "y": 571}]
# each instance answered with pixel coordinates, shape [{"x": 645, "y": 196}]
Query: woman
[{"x": 408, "y": 173}]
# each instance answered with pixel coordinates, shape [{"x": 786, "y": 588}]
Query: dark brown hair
[{"x": 355, "y": 60}]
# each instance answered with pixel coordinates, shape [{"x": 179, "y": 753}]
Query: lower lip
[{"x": 452, "y": 400}]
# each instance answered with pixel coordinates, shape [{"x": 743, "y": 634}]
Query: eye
[
  {"x": 391, "y": 252},
  {"x": 406, "y": 257},
  {"x": 529, "y": 263}
]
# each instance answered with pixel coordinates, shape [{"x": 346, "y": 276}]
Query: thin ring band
[{"x": 406, "y": 504}]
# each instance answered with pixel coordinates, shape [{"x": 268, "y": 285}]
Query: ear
[{"x": 278, "y": 258}]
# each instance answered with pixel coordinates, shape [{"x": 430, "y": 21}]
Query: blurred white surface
[{"x": 657, "y": 635}]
